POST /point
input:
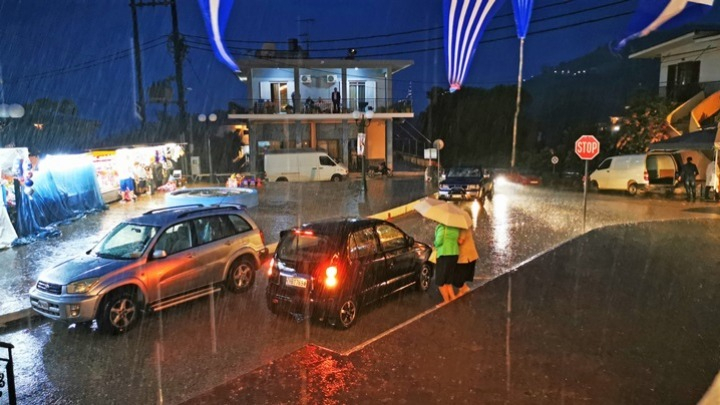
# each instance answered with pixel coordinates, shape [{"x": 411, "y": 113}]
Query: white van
[
  {"x": 632, "y": 173},
  {"x": 302, "y": 165}
]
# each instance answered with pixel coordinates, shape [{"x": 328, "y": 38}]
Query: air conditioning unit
[
  {"x": 305, "y": 79},
  {"x": 331, "y": 78}
]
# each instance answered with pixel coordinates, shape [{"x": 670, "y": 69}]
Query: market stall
[
  {"x": 8, "y": 157},
  {"x": 149, "y": 168}
]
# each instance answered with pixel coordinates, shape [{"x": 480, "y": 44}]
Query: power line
[
  {"x": 87, "y": 64},
  {"x": 379, "y": 36},
  {"x": 247, "y": 50}
]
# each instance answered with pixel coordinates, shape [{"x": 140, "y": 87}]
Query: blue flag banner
[
  {"x": 216, "y": 14},
  {"x": 522, "y": 11},
  {"x": 465, "y": 22},
  {"x": 652, "y": 15}
]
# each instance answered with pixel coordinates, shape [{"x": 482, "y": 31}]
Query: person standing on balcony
[{"x": 336, "y": 100}]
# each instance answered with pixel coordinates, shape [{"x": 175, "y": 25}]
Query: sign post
[
  {"x": 10, "y": 381},
  {"x": 554, "y": 160},
  {"x": 438, "y": 144},
  {"x": 587, "y": 147}
]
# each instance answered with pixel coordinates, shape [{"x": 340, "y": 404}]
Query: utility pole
[
  {"x": 179, "y": 51},
  {"x": 140, "y": 102}
]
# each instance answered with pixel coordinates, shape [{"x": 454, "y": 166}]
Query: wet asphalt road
[{"x": 176, "y": 354}]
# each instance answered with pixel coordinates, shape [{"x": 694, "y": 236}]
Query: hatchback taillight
[{"x": 331, "y": 276}]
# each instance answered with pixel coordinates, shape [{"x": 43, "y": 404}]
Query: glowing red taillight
[
  {"x": 271, "y": 267},
  {"x": 331, "y": 276}
]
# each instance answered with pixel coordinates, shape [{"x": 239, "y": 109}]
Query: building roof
[
  {"x": 695, "y": 36},
  {"x": 256, "y": 63},
  {"x": 700, "y": 140}
]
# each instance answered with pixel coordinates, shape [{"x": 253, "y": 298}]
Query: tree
[
  {"x": 475, "y": 123},
  {"x": 644, "y": 123}
]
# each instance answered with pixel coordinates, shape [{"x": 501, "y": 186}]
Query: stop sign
[{"x": 587, "y": 147}]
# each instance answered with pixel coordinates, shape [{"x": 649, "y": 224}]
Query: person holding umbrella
[
  {"x": 465, "y": 270},
  {"x": 448, "y": 250},
  {"x": 451, "y": 219}
]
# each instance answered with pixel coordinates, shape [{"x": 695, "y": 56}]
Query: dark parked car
[
  {"x": 467, "y": 183},
  {"x": 334, "y": 267}
]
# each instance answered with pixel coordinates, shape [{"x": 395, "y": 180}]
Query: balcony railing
[{"x": 319, "y": 106}]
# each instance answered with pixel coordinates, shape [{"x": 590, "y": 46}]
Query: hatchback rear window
[{"x": 296, "y": 247}]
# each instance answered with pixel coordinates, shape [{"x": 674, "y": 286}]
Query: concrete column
[
  {"x": 255, "y": 131},
  {"x": 389, "y": 143},
  {"x": 344, "y": 90},
  {"x": 344, "y": 143}
]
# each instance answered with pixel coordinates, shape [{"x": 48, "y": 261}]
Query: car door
[
  {"x": 601, "y": 175},
  {"x": 367, "y": 265},
  {"x": 215, "y": 240},
  {"x": 399, "y": 256},
  {"x": 176, "y": 273}
]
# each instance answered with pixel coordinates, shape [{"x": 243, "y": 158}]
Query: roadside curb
[
  {"x": 9, "y": 319},
  {"x": 397, "y": 211}
]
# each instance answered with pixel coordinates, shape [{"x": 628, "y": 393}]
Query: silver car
[{"x": 160, "y": 259}]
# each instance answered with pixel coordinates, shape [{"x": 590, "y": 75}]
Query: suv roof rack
[
  {"x": 215, "y": 207},
  {"x": 173, "y": 208}
]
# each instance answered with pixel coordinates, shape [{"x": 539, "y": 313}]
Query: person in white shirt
[{"x": 711, "y": 182}]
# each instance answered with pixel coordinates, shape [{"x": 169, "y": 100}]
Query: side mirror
[{"x": 159, "y": 254}]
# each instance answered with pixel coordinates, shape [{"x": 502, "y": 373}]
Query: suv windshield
[
  {"x": 303, "y": 246},
  {"x": 126, "y": 241},
  {"x": 465, "y": 172}
]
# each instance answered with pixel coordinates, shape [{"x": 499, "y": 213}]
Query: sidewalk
[{"x": 613, "y": 316}]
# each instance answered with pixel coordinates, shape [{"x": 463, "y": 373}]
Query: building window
[
  {"x": 357, "y": 96},
  {"x": 683, "y": 80}
]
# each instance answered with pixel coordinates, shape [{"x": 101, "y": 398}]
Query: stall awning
[{"x": 705, "y": 140}]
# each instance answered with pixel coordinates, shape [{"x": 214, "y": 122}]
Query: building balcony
[{"x": 317, "y": 110}]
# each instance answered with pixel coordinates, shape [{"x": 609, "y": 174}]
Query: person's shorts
[{"x": 127, "y": 185}]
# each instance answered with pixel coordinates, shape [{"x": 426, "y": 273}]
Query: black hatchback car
[{"x": 329, "y": 269}]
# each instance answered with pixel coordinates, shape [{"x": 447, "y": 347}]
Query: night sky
[{"x": 80, "y": 49}]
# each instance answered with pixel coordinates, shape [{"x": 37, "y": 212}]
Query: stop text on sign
[{"x": 587, "y": 147}]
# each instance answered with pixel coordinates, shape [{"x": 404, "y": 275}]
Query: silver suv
[{"x": 162, "y": 258}]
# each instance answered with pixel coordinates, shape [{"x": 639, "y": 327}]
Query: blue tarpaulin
[{"x": 64, "y": 188}]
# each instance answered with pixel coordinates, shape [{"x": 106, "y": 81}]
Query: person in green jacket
[{"x": 448, "y": 250}]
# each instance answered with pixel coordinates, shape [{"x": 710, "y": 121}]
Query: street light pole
[
  {"x": 362, "y": 121},
  {"x": 208, "y": 119}
]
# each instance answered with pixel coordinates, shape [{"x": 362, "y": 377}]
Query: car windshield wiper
[{"x": 107, "y": 256}]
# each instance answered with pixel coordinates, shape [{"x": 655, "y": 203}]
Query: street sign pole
[
  {"x": 587, "y": 147},
  {"x": 585, "y": 187}
]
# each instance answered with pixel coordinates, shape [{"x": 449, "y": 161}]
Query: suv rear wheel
[
  {"x": 119, "y": 312},
  {"x": 241, "y": 275}
]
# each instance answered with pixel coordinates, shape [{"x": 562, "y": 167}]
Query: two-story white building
[
  {"x": 690, "y": 75},
  {"x": 289, "y": 104}
]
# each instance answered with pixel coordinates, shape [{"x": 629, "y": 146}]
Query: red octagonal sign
[{"x": 587, "y": 147}]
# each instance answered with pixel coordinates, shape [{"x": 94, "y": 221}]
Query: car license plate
[
  {"x": 43, "y": 305},
  {"x": 296, "y": 282}
]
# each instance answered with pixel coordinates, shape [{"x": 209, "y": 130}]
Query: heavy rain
[{"x": 220, "y": 202}]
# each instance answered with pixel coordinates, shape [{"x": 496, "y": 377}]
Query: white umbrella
[{"x": 445, "y": 213}]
